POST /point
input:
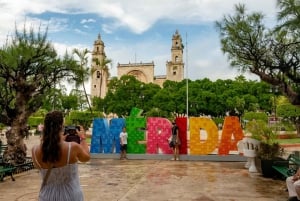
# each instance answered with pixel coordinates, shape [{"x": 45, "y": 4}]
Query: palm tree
[
  {"x": 83, "y": 75},
  {"x": 103, "y": 64}
]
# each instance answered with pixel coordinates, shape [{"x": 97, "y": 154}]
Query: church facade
[{"x": 143, "y": 72}]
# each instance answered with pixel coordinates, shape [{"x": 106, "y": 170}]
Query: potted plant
[{"x": 269, "y": 149}]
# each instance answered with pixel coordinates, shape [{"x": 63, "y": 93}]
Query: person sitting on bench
[{"x": 293, "y": 186}]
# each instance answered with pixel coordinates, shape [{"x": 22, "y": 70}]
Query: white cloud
[
  {"x": 137, "y": 16},
  {"x": 84, "y": 21}
]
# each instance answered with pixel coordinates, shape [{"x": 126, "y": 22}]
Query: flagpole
[{"x": 187, "y": 82}]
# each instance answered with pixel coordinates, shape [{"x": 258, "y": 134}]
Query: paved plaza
[{"x": 110, "y": 179}]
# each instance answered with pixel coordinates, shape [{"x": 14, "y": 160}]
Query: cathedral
[{"x": 143, "y": 72}]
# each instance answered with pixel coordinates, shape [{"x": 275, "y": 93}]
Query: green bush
[
  {"x": 35, "y": 121},
  {"x": 82, "y": 118},
  {"x": 249, "y": 116}
]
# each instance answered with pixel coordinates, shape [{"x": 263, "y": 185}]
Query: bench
[
  {"x": 288, "y": 167},
  {"x": 27, "y": 165},
  {"x": 7, "y": 169}
]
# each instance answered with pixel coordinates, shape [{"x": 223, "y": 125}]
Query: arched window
[{"x": 174, "y": 70}]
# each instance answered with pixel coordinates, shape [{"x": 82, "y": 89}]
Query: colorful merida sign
[{"x": 105, "y": 136}]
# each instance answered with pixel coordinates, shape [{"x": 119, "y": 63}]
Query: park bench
[
  {"x": 7, "y": 169},
  {"x": 288, "y": 167},
  {"x": 27, "y": 165}
]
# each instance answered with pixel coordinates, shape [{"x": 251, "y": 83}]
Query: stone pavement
[{"x": 156, "y": 180}]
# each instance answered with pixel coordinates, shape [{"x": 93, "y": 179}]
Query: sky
[{"x": 136, "y": 30}]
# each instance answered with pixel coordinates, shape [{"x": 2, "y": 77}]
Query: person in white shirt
[
  {"x": 123, "y": 143},
  {"x": 293, "y": 185}
]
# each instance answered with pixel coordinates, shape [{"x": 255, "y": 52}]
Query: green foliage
[
  {"x": 156, "y": 112},
  {"x": 268, "y": 53},
  {"x": 269, "y": 151},
  {"x": 40, "y": 113},
  {"x": 82, "y": 74},
  {"x": 292, "y": 113},
  {"x": 70, "y": 102},
  {"x": 82, "y": 118},
  {"x": 288, "y": 111},
  {"x": 205, "y": 97},
  {"x": 30, "y": 70},
  {"x": 53, "y": 100},
  {"x": 269, "y": 147},
  {"x": 287, "y": 125},
  {"x": 260, "y": 130},
  {"x": 35, "y": 121},
  {"x": 249, "y": 116},
  {"x": 218, "y": 120},
  {"x": 38, "y": 117}
]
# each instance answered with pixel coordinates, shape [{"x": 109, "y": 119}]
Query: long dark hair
[{"x": 53, "y": 125}]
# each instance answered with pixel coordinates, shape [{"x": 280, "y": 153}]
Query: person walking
[
  {"x": 123, "y": 143},
  {"x": 57, "y": 161},
  {"x": 40, "y": 129}
]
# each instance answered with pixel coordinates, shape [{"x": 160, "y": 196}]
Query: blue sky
[{"x": 135, "y": 30}]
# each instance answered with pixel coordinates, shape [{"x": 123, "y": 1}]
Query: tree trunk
[
  {"x": 16, "y": 151},
  {"x": 86, "y": 97}
]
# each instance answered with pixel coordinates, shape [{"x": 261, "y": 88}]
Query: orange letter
[{"x": 231, "y": 128}]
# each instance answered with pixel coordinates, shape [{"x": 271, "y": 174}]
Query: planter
[{"x": 267, "y": 170}]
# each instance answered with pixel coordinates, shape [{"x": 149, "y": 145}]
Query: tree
[
  {"x": 70, "y": 102},
  {"x": 289, "y": 16},
  {"x": 83, "y": 74},
  {"x": 53, "y": 101},
  {"x": 29, "y": 69},
  {"x": 292, "y": 113},
  {"x": 272, "y": 54},
  {"x": 81, "y": 99}
]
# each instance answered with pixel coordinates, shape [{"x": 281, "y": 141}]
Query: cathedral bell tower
[
  {"x": 175, "y": 67},
  {"x": 99, "y": 72}
]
